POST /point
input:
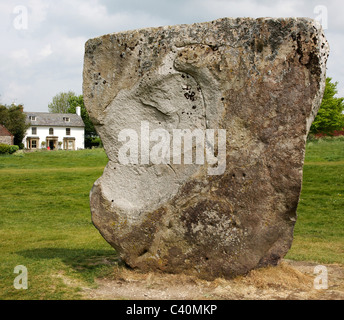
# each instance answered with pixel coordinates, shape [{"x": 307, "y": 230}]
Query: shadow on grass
[{"x": 82, "y": 260}]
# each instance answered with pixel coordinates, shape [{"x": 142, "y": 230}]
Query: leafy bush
[
  {"x": 311, "y": 137},
  {"x": 7, "y": 149},
  {"x": 330, "y": 117},
  {"x": 14, "y": 119},
  {"x": 4, "y": 148},
  {"x": 93, "y": 142},
  {"x": 13, "y": 149}
]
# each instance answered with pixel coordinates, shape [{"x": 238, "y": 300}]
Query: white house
[{"x": 55, "y": 131}]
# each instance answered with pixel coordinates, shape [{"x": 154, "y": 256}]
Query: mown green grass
[
  {"x": 45, "y": 223},
  {"x": 319, "y": 231},
  {"x": 45, "y": 220}
]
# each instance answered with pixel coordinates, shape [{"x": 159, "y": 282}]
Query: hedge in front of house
[{"x": 7, "y": 149}]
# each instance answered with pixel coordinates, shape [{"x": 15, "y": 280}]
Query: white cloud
[
  {"x": 38, "y": 11},
  {"x": 14, "y": 91},
  {"x": 92, "y": 10},
  {"x": 68, "y": 49},
  {"x": 46, "y": 51},
  {"x": 21, "y": 57},
  {"x": 47, "y": 58},
  {"x": 248, "y": 8}
]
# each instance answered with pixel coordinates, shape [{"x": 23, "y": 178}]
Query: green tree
[
  {"x": 330, "y": 116},
  {"x": 90, "y": 132},
  {"x": 60, "y": 103},
  {"x": 13, "y": 118}
]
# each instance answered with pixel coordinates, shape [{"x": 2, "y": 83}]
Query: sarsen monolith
[{"x": 259, "y": 81}]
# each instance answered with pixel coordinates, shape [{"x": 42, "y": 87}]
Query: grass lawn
[
  {"x": 319, "y": 231},
  {"x": 45, "y": 221}
]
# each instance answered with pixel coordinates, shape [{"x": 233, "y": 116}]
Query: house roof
[
  {"x": 54, "y": 119},
  {"x": 4, "y": 131}
]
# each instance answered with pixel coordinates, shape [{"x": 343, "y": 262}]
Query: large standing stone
[{"x": 260, "y": 80}]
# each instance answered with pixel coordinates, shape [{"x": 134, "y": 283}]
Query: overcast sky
[{"x": 42, "y": 52}]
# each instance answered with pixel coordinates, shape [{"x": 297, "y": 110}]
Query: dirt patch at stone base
[{"x": 290, "y": 280}]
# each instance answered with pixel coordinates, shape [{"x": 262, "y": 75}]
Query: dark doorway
[{"x": 51, "y": 144}]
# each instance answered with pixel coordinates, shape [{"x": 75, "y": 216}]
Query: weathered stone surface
[{"x": 262, "y": 81}]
